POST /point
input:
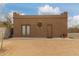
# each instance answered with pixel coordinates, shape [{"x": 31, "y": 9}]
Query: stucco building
[{"x": 40, "y": 25}]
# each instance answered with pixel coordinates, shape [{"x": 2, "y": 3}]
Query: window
[
  {"x": 25, "y": 30},
  {"x": 28, "y": 30}
]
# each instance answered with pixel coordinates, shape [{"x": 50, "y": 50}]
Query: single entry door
[
  {"x": 25, "y": 30},
  {"x": 49, "y": 30}
]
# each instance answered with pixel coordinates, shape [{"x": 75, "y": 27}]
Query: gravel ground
[{"x": 40, "y": 47}]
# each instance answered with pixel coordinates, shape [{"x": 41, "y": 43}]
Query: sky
[
  {"x": 43, "y": 9},
  {"x": 32, "y": 8}
]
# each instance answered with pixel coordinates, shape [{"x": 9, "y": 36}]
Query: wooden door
[{"x": 49, "y": 30}]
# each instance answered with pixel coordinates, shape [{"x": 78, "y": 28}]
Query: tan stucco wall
[{"x": 59, "y": 24}]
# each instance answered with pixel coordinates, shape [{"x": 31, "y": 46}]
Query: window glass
[
  {"x": 23, "y": 30},
  {"x": 28, "y": 30}
]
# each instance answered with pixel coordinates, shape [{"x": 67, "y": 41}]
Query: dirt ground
[{"x": 40, "y": 47}]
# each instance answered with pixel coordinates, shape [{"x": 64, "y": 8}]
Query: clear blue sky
[{"x": 32, "y": 8}]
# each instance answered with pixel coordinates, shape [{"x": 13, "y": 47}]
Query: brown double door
[{"x": 49, "y": 30}]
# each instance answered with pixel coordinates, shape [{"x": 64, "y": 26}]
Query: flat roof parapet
[{"x": 17, "y": 15}]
